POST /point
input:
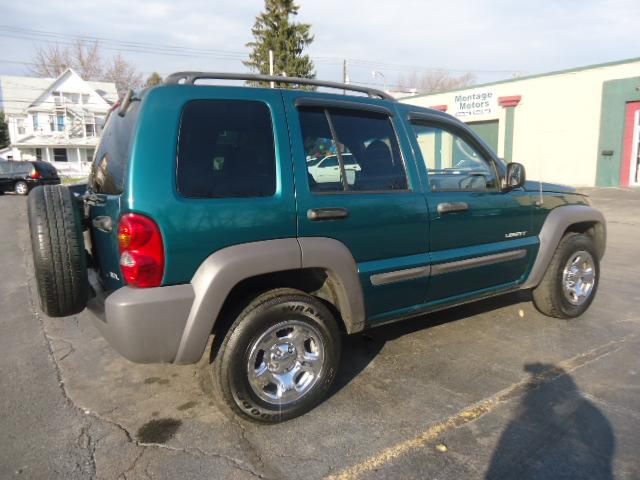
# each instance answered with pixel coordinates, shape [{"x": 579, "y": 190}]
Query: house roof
[{"x": 18, "y": 93}]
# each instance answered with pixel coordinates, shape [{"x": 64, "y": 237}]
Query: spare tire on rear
[{"x": 59, "y": 257}]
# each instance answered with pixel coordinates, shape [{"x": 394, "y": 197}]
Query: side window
[
  {"x": 4, "y": 168},
  {"x": 452, "y": 163},
  {"x": 226, "y": 149},
  {"x": 349, "y": 150}
]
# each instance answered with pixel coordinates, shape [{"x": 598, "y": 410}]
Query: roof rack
[{"x": 190, "y": 78}]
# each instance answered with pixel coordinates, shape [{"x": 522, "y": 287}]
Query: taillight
[
  {"x": 35, "y": 174},
  {"x": 141, "y": 251}
]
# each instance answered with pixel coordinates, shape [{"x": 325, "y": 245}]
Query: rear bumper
[{"x": 145, "y": 325}]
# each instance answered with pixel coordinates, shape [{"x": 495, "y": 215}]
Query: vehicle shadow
[
  {"x": 555, "y": 433},
  {"x": 360, "y": 349}
]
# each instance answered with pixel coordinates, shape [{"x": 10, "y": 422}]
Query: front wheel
[
  {"x": 278, "y": 359},
  {"x": 571, "y": 280}
]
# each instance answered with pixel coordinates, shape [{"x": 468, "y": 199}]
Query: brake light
[
  {"x": 35, "y": 174},
  {"x": 141, "y": 251}
]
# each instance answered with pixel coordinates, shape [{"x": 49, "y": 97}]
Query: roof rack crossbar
[{"x": 190, "y": 78}]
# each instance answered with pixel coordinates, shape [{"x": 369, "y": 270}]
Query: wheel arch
[
  {"x": 560, "y": 221},
  {"x": 228, "y": 278}
]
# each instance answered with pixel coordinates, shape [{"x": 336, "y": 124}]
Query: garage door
[{"x": 488, "y": 131}]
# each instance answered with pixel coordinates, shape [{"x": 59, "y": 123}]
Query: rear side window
[
  {"x": 111, "y": 162},
  {"x": 358, "y": 151},
  {"x": 226, "y": 149}
]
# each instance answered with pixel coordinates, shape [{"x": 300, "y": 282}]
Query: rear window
[
  {"x": 21, "y": 168},
  {"x": 46, "y": 169},
  {"x": 112, "y": 159},
  {"x": 226, "y": 149}
]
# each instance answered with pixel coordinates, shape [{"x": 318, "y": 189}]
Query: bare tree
[
  {"x": 87, "y": 60},
  {"x": 50, "y": 61},
  {"x": 123, "y": 74},
  {"x": 436, "y": 81}
]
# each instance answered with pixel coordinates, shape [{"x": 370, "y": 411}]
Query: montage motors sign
[{"x": 475, "y": 103}]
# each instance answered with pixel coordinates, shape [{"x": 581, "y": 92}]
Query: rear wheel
[
  {"x": 21, "y": 188},
  {"x": 59, "y": 257},
  {"x": 278, "y": 359},
  {"x": 571, "y": 280}
]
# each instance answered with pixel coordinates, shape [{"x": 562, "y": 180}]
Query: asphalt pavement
[{"x": 488, "y": 390}]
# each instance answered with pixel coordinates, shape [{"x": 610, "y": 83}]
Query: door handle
[
  {"x": 316, "y": 214},
  {"x": 451, "y": 207}
]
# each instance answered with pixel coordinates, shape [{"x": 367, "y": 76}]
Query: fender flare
[
  {"x": 554, "y": 228},
  {"x": 224, "y": 269}
]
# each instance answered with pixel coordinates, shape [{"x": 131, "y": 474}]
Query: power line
[{"x": 184, "y": 51}]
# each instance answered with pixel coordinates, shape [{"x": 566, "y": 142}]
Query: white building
[
  {"x": 579, "y": 126},
  {"x": 58, "y": 120}
]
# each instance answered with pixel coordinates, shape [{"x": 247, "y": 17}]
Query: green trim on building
[
  {"x": 487, "y": 131},
  {"x": 615, "y": 95},
  {"x": 438, "y": 149},
  {"x": 509, "y": 126},
  {"x": 528, "y": 77}
]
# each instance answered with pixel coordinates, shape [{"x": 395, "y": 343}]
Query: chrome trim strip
[
  {"x": 400, "y": 275},
  {"x": 477, "y": 262}
]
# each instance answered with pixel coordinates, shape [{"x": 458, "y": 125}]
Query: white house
[{"x": 58, "y": 120}]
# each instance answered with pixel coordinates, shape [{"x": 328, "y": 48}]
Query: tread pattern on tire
[
  {"x": 222, "y": 394},
  {"x": 58, "y": 250},
  {"x": 547, "y": 295}
]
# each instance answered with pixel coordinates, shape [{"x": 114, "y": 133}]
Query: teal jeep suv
[{"x": 207, "y": 213}]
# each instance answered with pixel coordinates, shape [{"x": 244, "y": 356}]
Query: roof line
[{"x": 529, "y": 77}]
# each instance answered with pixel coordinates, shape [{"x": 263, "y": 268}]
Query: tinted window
[
  {"x": 452, "y": 163},
  {"x": 111, "y": 162},
  {"x": 367, "y": 146},
  {"x": 21, "y": 168},
  {"x": 46, "y": 169},
  {"x": 319, "y": 149},
  {"x": 226, "y": 149},
  {"x": 4, "y": 168}
]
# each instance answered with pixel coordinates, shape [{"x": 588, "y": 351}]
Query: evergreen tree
[
  {"x": 274, "y": 30},
  {"x": 4, "y": 131},
  {"x": 154, "y": 79}
]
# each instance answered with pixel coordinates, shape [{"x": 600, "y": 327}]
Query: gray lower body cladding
[{"x": 144, "y": 325}]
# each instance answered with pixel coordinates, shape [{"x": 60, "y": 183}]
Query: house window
[
  {"x": 39, "y": 154},
  {"x": 35, "y": 122},
  {"x": 60, "y": 155},
  {"x": 90, "y": 152},
  {"x": 60, "y": 122},
  {"x": 21, "y": 129},
  {"x": 85, "y": 98},
  {"x": 57, "y": 98},
  {"x": 90, "y": 128},
  {"x": 71, "y": 97}
]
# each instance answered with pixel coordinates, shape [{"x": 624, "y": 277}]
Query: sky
[{"x": 493, "y": 39}]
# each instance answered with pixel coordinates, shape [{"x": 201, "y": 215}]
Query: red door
[{"x": 630, "y": 169}]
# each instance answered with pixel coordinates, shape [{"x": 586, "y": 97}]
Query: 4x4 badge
[{"x": 515, "y": 234}]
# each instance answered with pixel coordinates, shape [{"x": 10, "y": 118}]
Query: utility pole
[
  {"x": 273, "y": 85},
  {"x": 345, "y": 77}
]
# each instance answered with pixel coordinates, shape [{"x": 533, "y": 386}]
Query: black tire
[
  {"x": 548, "y": 296},
  {"x": 232, "y": 389},
  {"x": 21, "y": 188},
  {"x": 59, "y": 257}
]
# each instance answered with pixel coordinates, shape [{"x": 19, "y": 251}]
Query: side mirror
[{"x": 515, "y": 177}]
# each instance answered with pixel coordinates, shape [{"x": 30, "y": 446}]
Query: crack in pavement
[{"x": 91, "y": 446}]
